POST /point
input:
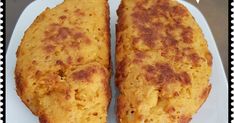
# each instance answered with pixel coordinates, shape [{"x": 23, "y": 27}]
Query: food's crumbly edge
[{"x": 109, "y": 53}]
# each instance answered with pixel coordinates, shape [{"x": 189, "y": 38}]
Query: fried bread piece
[
  {"x": 63, "y": 68},
  {"x": 163, "y": 63}
]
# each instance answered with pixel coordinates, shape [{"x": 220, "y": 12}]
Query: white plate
[{"x": 215, "y": 109}]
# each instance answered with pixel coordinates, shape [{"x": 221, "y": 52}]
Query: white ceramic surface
[{"x": 214, "y": 109}]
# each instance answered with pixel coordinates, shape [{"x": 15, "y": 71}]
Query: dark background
[{"x": 215, "y": 11}]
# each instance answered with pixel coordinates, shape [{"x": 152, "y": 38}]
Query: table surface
[{"x": 215, "y": 11}]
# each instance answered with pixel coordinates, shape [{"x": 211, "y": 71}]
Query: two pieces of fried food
[{"x": 163, "y": 63}]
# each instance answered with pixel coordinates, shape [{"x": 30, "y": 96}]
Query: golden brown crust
[
  {"x": 43, "y": 119},
  {"x": 162, "y": 74},
  {"x": 205, "y": 96},
  {"x": 205, "y": 92},
  {"x": 19, "y": 86},
  {"x": 63, "y": 63},
  {"x": 107, "y": 16},
  {"x": 162, "y": 62},
  {"x": 185, "y": 119}
]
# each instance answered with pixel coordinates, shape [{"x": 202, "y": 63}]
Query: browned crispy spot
[
  {"x": 178, "y": 57},
  {"x": 81, "y": 36},
  {"x": 179, "y": 10},
  {"x": 162, "y": 5},
  {"x": 79, "y": 59},
  {"x": 150, "y": 69},
  {"x": 38, "y": 74},
  {"x": 166, "y": 73},
  {"x": 205, "y": 92},
  {"x": 159, "y": 24},
  {"x": 47, "y": 57},
  {"x": 121, "y": 107},
  {"x": 69, "y": 60},
  {"x": 67, "y": 94},
  {"x": 209, "y": 58},
  {"x": 65, "y": 10},
  {"x": 75, "y": 44},
  {"x": 105, "y": 81},
  {"x": 195, "y": 58},
  {"x": 135, "y": 40},
  {"x": 79, "y": 12},
  {"x": 60, "y": 73},
  {"x": 139, "y": 56},
  {"x": 184, "y": 78},
  {"x": 148, "y": 36},
  {"x": 31, "y": 68},
  {"x": 56, "y": 33},
  {"x": 162, "y": 73},
  {"x": 122, "y": 17},
  {"x": 169, "y": 41},
  {"x": 148, "y": 75},
  {"x": 85, "y": 74},
  {"x": 78, "y": 35},
  {"x": 184, "y": 119},
  {"x": 19, "y": 85},
  {"x": 49, "y": 48},
  {"x": 62, "y": 17},
  {"x": 59, "y": 62},
  {"x": 170, "y": 109},
  {"x": 119, "y": 41},
  {"x": 18, "y": 52},
  {"x": 187, "y": 35},
  {"x": 34, "y": 62},
  {"x": 120, "y": 71},
  {"x": 63, "y": 32},
  {"x": 140, "y": 15},
  {"x": 149, "y": 31},
  {"x": 175, "y": 94},
  {"x": 43, "y": 119}
]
